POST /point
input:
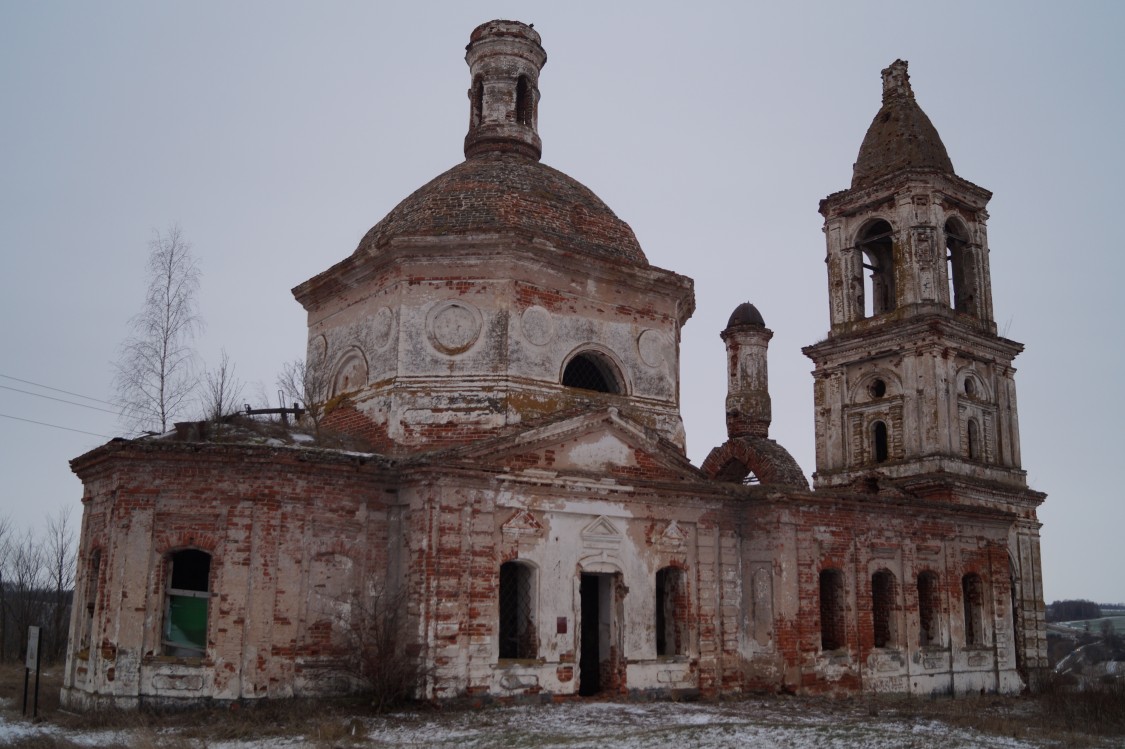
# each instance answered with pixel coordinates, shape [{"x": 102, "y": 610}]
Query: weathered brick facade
[{"x": 511, "y": 360}]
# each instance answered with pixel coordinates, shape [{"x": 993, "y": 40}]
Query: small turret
[
  {"x": 504, "y": 59},
  {"x": 748, "y": 398}
]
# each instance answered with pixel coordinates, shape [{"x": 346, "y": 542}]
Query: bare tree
[
  {"x": 222, "y": 390},
  {"x": 59, "y": 551},
  {"x": 307, "y": 381},
  {"x": 25, "y": 584},
  {"x": 5, "y": 556},
  {"x": 154, "y": 371}
]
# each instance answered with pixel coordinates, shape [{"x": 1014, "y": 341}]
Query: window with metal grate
[
  {"x": 517, "y": 627},
  {"x": 589, "y": 371}
]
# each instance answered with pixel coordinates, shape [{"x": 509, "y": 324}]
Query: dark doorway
[{"x": 589, "y": 666}]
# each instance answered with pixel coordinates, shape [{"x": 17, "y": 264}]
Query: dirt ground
[{"x": 765, "y": 721}]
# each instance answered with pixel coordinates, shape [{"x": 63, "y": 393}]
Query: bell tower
[
  {"x": 912, "y": 378},
  {"x": 913, "y": 388}
]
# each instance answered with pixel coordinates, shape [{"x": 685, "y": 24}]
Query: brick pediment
[{"x": 602, "y": 443}]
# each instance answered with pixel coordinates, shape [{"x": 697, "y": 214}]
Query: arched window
[
  {"x": 879, "y": 439},
  {"x": 929, "y": 626},
  {"x": 972, "y": 593},
  {"x": 961, "y": 286},
  {"x": 525, "y": 101},
  {"x": 517, "y": 611},
  {"x": 591, "y": 371},
  {"x": 972, "y": 432},
  {"x": 883, "y": 609},
  {"x": 186, "y": 603},
  {"x": 876, "y": 244},
  {"x": 832, "y": 611},
  {"x": 671, "y": 611}
]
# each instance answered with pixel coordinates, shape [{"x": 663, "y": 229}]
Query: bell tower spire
[{"x": 504, "y": 59}]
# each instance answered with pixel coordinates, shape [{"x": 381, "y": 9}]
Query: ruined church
[{"x": 509, "y": 359}]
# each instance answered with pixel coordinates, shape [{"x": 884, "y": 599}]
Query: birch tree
[
  {"x": 59, "y": 551},
  {"x": 155, "y": 370}
]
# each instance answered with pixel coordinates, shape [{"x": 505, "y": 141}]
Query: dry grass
[{"x": 1058, "y": 716}]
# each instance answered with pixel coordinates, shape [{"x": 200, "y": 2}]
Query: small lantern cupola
[
  {"x": 748, "y": 395},
  {"x": 504, "y": 59}
]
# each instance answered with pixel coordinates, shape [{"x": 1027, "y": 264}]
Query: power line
[
  {"x": 60, "y": 400},
  {"x": 55, "y": 426},
  {"x": 57, "y": 390}
]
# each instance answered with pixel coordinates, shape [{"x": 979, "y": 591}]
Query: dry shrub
[
  {"x": 336, "y": 731},
  {"x": 383, "y": 653},
  {"x": 1096, "y": 707}
]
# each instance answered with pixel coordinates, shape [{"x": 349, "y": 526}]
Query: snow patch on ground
[{"x": 767, "y": 724}]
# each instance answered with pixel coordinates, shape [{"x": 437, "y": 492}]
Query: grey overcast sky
[{"x": 277, "y": 133}]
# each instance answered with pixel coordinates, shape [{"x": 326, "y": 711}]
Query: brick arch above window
[
  {"x": 866, "y": 388},
  {"x": 771, "y": 463}
]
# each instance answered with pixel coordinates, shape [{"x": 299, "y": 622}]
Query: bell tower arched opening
[
  {"x": 879, "y": 438},
  {"x": 962, "y": 286},
  {"x": 876, "y": 244}
]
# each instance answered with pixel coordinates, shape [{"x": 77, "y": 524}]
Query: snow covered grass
[{"x": 769, "y": 722}]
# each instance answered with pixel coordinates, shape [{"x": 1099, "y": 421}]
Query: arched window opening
[
  {"x": 186, "y": 603},
  {"x": 525, "y": 101},
  {"x": 476, "y": 96},
  {"x": 93, "y": 585},
  {"x": 589, "y": 371},
  {"x": 832, "y": 611},
  {"x": 517, "y": 612},
  {"x": 1017, "y": 616},
  {"x": 972, "y": 432},
  {"x": 877, "y": 247},
  {"x": 671, "y": 611},
  {"x": 879, "y": 436},
  {"x": 961, "y": 291},
  {"x": 929, "y": 631},
  {"x": 972, "y": 593},
  {"x": 883, "y": 609}
]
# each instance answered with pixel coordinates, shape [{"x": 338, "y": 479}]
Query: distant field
[{"x": 1095, "y": 625}]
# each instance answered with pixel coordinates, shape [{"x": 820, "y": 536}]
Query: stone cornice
[
  {"x": 956, "y": 189},
  {"x": 933, "y": 331},
  {"x": 402, "y": 253}
]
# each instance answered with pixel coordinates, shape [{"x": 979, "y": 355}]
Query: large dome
[
  {"x": 901, "y": 136},
  {"x": 501, "y": 192}
]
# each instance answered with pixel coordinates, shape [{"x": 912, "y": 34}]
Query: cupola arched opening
[
  {"x": 876, "y": 243},
  {"x": 590, "y": 370},
  {"x": 476, "y": 97},
  {"x": 525, "y": 101}
]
